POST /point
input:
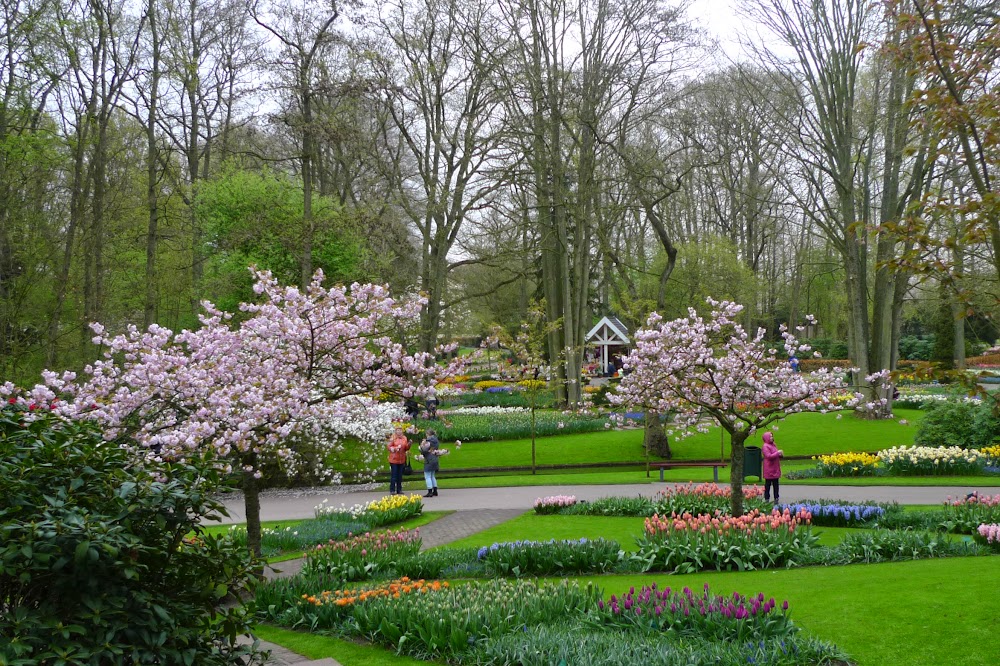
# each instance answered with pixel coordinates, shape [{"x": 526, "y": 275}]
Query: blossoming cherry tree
[
  {"x": 710, "y": 370},
  {"x": 297, "y": 363}
]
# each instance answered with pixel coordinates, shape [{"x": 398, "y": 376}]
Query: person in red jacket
[
  {"x": 772, "y": 467},
  {"x": 398, "y": 445}
]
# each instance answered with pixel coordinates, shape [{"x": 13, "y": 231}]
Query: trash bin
[{"x": 752, "y": 462}]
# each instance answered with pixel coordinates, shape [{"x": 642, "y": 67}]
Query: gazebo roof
[{"x": 615, "y": 332}]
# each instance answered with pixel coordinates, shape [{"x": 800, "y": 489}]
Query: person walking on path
[
  {"x": 772, "y": 467},
  {"x": 431, "y": 450},
  {"x": 398, "y": 446}
]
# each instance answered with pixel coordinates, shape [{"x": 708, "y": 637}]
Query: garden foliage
[
  {"x": 957, "y": 422},
  {"x": 512, "y": 425},
  {"x": 546, "y": 558},
  {"x": 101, "y": 562}
]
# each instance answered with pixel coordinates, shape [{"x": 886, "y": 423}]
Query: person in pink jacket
[{"x": 772, "y": 467}]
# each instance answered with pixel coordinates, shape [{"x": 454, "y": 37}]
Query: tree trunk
[
  {"x": 958, "y": 312},
  {"x": 533, "y": 470},
  {"x": 736, "y": 455},
  {"x": 251, "y": 497},
  {"x": 308, "y": 226},
  {"x": 152, "y": 199},
  {"x": 654, "y": 438}
]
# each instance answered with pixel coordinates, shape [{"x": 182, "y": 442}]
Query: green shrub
[
  {"x": 95, "y": 563},
  {"x": 968, "y": 424},
  {"x": 916, "y": 348}
]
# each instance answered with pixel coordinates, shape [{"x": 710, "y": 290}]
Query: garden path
[{"x": 297, "y": 505}]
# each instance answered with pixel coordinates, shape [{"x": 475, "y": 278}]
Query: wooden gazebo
[{"x": 607, "y": 333}]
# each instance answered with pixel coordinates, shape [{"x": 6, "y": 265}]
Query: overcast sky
[{"x": 718, "y": 18}]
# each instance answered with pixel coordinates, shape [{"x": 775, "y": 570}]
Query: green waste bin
[{"x": 752, "y": 462}]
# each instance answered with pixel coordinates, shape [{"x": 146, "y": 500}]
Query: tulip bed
[
  {"x": 755, "y": 540},
  {"x": 529, "y": 622},
  {"x": 363, "y": 556},
  {"x": 682, "y": 498},
  {"x": 546, "y": 558},
  {"x": 927, "y": 461},
  {"x": 429, "y": 605},
  {"x": 725, "y": 618}
]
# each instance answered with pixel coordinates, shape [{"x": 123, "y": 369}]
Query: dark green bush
[
  {"x": 916, "y": 348},
  {"x": 102, "y": 563},
  {"x": 957, "y": 423}
]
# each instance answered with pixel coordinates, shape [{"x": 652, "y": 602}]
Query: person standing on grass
[
  {"x": 398, "y": 446},
  {"x": 431, "y": 450},
  {"x": 772, "y": 467}
]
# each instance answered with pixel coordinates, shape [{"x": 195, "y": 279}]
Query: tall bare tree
[{"x": 304, "y": 32}]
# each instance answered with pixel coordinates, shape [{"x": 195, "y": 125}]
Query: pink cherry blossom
[
  {"x": 705, "y": 370},
  {"x": 296, "y": 364}
]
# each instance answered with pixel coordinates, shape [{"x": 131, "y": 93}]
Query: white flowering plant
[{"x": 931, "y": 461}]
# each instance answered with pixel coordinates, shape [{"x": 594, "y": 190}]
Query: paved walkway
[{"x": 296, "y": 506}]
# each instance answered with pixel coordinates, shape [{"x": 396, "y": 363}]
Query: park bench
[{"x": 670, "y": 465}]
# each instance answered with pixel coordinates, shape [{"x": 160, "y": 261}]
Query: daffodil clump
[
  {"x": 992, "y": 452},
  {"x": 385, "y": 511},
  {"x": 848, "y": 464}
]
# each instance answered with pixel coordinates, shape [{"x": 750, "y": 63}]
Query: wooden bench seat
[{"x": 670, "y": 465}]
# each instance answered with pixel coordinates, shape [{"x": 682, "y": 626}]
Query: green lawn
[
  {"x": 798, "y": 435},
  {"x": 534, "y": 527},
  {"x": 314, "y": 646},
  {"x": 922, "y": 613}
]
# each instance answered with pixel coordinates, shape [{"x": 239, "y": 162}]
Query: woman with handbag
[{"x": 398, "y": 445}]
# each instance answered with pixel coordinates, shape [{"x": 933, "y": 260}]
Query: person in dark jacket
[{"x": 430, "y": 449}]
